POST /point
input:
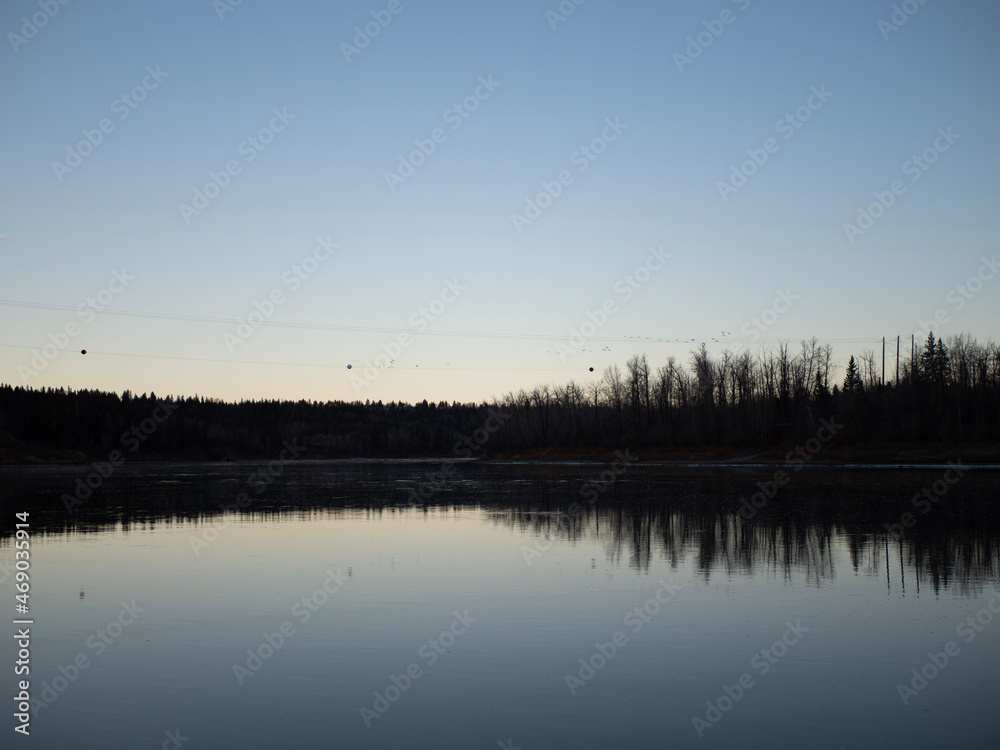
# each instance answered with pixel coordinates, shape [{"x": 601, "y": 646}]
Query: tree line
[{"x": 947, "y": 391}]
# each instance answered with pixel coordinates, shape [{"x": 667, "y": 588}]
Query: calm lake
[{"x": 513, "y": 606}]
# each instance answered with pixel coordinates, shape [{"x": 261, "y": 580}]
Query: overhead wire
[{"x": 381, "y": 329}]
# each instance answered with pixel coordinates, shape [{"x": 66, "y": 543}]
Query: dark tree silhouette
[
  {"x": 946, "y": 393},
  {"x": 852, "y": 380}
]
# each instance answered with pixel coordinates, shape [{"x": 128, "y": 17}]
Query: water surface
[{"x": 460, "y": 621}]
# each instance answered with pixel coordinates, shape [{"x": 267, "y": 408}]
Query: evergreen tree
[
  {"x": 852, "y": 380},
  {"x": 927, "y": 359},
  {"x": 942, "y": 365},
  {"x": 935, "y": 365},
  {"x": 819, "y": 391}
]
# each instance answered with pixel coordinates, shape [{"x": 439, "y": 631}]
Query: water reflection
[{"x": 652, "y": 513}]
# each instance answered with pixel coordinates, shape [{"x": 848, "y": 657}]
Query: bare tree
[{"x": 869, "y": 372}]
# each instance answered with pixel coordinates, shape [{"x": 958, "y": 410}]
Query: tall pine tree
[{"x": 852, "y": 380}]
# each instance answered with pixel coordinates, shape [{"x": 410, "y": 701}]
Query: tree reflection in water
[{"x": 649, "y": 513}]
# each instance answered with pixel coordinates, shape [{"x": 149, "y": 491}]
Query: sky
[{"x": 490, "y": 195}]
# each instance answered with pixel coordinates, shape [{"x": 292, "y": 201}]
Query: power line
[
  {"x": 312, "y": 364},
  {"x": 378, "y": 329}
]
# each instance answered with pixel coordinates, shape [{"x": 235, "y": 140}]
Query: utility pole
[
  {"x": 897, "y": 361},
  {"x": 883, "y": 361}
]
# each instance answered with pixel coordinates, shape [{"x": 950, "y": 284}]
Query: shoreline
[{"x": 857, "y": 456}]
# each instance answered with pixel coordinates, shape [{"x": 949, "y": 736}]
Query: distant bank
[{"x": 973, "y": 454}]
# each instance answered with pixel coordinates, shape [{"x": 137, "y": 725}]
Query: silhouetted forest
[{"x": 947, "y": 392}]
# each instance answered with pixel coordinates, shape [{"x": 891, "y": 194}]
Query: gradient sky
[{"x": 324, "y": 175}]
